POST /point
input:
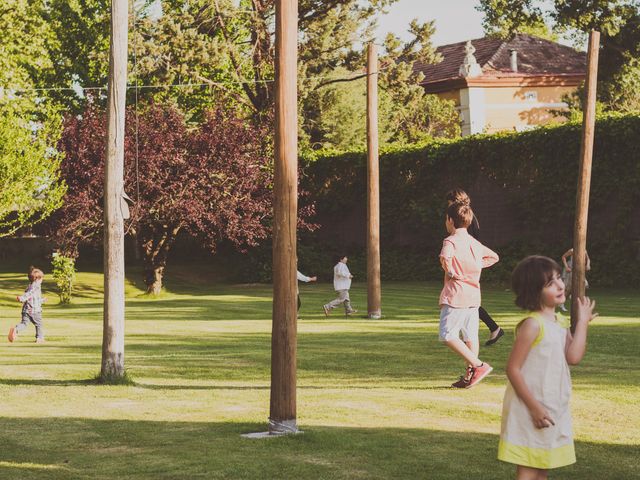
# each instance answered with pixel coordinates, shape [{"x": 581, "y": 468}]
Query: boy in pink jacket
[{"x": 462, "y": 258}]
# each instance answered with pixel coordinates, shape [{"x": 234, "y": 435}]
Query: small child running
[
  {"x": 31, "y": 306},
  {"x": 536, "y": 433},
  {"x": 462, "y": 259},
  {"x": 341, "y": 284}
]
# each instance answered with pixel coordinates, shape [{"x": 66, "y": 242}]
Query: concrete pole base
[{"x": 276, "y": 429}]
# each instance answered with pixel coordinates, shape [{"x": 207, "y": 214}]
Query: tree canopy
[
  {"x": 30, "y": 187},
  {"x": 212, "y": 182},
  {"x": 196, "y": 52}
]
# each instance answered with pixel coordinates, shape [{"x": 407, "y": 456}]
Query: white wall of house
[{"x": 472, "y": 110}]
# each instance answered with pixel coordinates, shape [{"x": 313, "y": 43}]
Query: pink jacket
[{"x": 463, "y": 258}]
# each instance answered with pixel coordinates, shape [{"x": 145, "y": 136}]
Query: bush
[
  {"x": 535, "y": 172},
  {"x": 64, "y": 273}
]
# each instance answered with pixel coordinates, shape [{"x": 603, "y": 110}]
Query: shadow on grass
[
  {"x": 75, "y": 448},
  {"x": 330, "y": 359},
  {"x": 267, "y": 387},
  {"x": 186, "y": 387},
  {"x": 231, "y": 303},
  {"x": 47, "y": 382}
]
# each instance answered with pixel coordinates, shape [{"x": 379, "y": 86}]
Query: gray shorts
[{"x": 456, "y": 321}]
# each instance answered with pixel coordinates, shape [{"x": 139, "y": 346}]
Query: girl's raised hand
[{"x": 585, "y": 309}]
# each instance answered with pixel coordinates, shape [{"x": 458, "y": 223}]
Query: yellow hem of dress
[{"x": 537, "y": 457}]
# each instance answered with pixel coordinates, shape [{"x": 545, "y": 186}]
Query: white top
[
  {"x": 302, "y": 278},
  {"x": 341, "y": 277}
]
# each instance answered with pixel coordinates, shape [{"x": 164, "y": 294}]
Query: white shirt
[
  {"x": 341, "y": 277},
  {"x": 302, "y": 278}
]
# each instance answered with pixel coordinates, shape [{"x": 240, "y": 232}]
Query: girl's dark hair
[
  {"x": 460, "y": 214},
  {"x": 529, "y": 278},
  {"x": 340, "y": 257},
  {"x": 457, "y": 195}
]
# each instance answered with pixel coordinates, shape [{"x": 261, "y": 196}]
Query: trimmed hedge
[{"x": 536, "y": 171}]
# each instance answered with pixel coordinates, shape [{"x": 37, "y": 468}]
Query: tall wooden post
[
  {"x": 113, "y": 332},
  {"x": 584, "y": 179},
  {"x": 282, "y": 416},
  {"x": 374, "y": 299}
]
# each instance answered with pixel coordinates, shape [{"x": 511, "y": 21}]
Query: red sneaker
[
  {"x": 464, "y": 380},
  {"x": 479, "y": 373},
  {"x": 12, "y": 334}
]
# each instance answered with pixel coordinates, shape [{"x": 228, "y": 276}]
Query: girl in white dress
[{"x": 536, "y": 432}]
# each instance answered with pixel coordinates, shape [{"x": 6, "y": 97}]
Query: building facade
[{"x": 499, "y": 85}]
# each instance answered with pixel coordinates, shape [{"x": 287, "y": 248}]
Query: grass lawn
[{"x": 372, "y": 395}]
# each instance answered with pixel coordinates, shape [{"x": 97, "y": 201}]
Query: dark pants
[
  {"x": 487, "y": 320},
  {"x": 36, "y": 319},
  {"x": 299, "y": 303}
]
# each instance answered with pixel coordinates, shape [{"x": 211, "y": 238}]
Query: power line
[
  {"x": 137, "y": 87},
  {"x": 134, "y": 86}
]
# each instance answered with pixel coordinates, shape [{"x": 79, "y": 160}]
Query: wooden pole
[
  {"x": 282, "y": 416},
  {"x": 374, "y": 295},
  {"x": 584, "y": 179},
  {"x": 113, "y": 332}
]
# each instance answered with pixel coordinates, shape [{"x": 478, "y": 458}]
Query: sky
[{"x": 456, "y": 20}]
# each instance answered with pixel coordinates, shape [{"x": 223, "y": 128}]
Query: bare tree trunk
[
  {"x": 374, "y": 288},
  {"x": 114, "y": 310},
  {"x": 155, "y": 247},
  {"x": 282, "y": 411},
  {"x": 153, "y": 280},
  {"x": 584, "y": 179}
]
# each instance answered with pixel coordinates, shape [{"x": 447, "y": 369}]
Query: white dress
[{"x": 547, "y": 376}]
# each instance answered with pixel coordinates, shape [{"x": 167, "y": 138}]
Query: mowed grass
[{"x": 372, "y": 395}]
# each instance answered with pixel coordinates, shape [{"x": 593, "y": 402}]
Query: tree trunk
[
  {"x": 374, "y": 288},
  {"x": 584, "y": 178},
  {"x": 114, "y": 307},
  {"x": 282, "y": 411},
  {"x": 155, "y": 247},
  {"x": 153, "y": 280}
]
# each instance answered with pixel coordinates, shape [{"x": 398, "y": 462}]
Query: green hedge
[{"x": 537, "y": 171}]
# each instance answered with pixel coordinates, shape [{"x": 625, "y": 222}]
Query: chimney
[{"x": 514, "y": 60}]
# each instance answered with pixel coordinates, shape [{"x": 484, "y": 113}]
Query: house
[{"x": 502, "y": 84}]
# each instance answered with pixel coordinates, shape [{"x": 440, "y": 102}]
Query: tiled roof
[{"x": 536, "y": 57}]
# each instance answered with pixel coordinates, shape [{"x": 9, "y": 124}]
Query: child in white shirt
[{"x": 341, "y": 284}]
